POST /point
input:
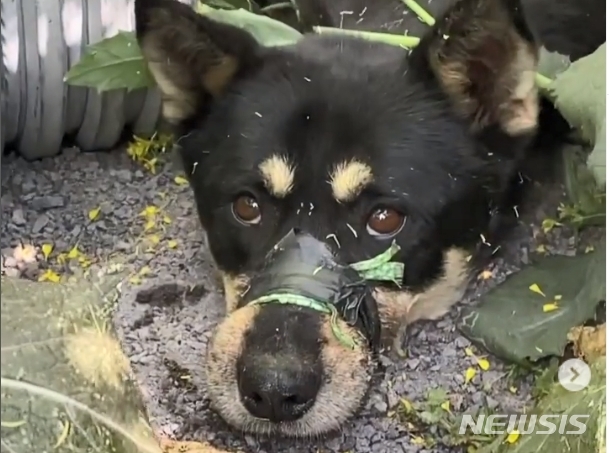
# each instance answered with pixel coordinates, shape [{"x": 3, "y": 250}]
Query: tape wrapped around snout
[{"x": 301, "y": 270}]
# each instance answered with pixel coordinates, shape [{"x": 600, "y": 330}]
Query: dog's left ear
[
  {"x": 485, "y": 58},
  {"x": 192, "y": 58}
]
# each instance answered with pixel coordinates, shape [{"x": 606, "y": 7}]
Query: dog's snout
[{"x": 278, "y": 390}]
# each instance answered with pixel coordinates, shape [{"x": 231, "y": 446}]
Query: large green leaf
[
  {"x": 590, "y": 401},
  {"x": 579, "y": 93},
  {"x": 65, "y": 381},
  {"x": 268, "y": 32},
  {"x": 111, "y": 64},
  {"x": 510, "y": 320}
]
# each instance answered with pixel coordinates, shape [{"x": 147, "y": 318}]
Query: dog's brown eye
[
  {"x": 385, "y": 222},
  {"x": 246, "y": 210}
]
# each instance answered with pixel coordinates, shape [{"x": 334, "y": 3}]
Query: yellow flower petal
[
  {"x": 149, "y": 225},
  {"x": 74, "y": 253},
  {"x": 62, "y": 257},
  {"x": 550, "y": 307},
  {"x": 407, "y": 405},
  {"x": 150, "y": 211},
  {"x": 512, "y": 437},
  {"x": 484, "y": 364},
  {"x": 145, "y": 270},
  {"x": 536, "y": 289},
  {"x": 49, "y": 276},
  {"x": 46, "y": 250},
  {"x": 172, "y": 244},
  {"x": 446, "y": 406},
  {"x": 180, "y": 180},
  {"x": 417, "y": 440},
  {"x": 548, "y": 224},
  {"x": 513, "y": 389},
  {"x": 469, "y": 352},
  {"x": 470, "y": 373},
  {"x": 94, "y": 214}
]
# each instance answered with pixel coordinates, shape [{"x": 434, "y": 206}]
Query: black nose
[{"x": 278, "y": 390}]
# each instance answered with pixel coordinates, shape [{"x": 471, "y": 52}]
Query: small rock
[
  {"x": 124, "y": 175},
  {"x": 123, "y": 212},
  {"x": 40, "y": 223},
  {"x": 10, "y": 261},
  {"x": 462, "y": 342},
  {"x": 413, "y": 363},
  {"x": 28, "y": 186},
  {"x": 76, "y": 231},
  {"x": 491, "y": 402},
  {"x": 12, "y": 272},
  {"x": 48, "y": 202},
  {"x": 18, "y": 217},
  {"x": 333, "y": 444},
  {"x": 107, "y": 208},
  {"x": 30, "y": 271},
  {"x": 379, "y": 404}
]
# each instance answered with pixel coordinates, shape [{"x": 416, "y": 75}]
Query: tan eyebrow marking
[
  {"x": 278, "y": 175},
  {"x": 348, "y": 179}
]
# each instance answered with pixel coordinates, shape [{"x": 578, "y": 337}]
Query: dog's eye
[
  {"x": 246, "y": 210},
  {"x": 385, "y": 222}
]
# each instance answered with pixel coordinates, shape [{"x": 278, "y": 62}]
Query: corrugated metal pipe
[{"x": 41, "y": 40}]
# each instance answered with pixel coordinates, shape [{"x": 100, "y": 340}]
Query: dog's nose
[{"x": 276, "y": 392}]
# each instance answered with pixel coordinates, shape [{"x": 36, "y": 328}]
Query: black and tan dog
[{"x": 355, "y": 144}]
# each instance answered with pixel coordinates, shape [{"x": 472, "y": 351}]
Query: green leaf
[
  {"x": 579, "y": 93},
  {"x": 510, "y": 320},
  {"x": 589, "y": 401},
  {"x": 582, "y": 188},
  {"x": 268, "y": 32},
  {"x": 111, "y": 64},
  {"x": 231, "y": 4}
]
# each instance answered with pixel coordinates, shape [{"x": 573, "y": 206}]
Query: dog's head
[{"x": 356, "y": 145}]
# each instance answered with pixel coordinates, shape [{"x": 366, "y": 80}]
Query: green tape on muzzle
[{"x": 302, "y": 271}]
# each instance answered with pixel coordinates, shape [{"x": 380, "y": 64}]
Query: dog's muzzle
[{"x": 303, "y": 271}]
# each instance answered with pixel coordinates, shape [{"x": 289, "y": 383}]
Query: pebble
[
  {"x": 47, "y": 202},
  {"x": 18, "y": 217},
  {"x": 40, "y": 222},
  {"x": 9, "y": 261}
]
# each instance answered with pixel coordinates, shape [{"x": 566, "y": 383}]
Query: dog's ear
[
  {"x": 485, "y": 58},
  {"x": 191, "y": 57}
]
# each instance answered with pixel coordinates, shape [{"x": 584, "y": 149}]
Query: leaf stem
[
  {"x": 542, "y": 81},
  {"x": 423, "y": 15},
  {"x": 408, "y": 42},
  {"x": 275, "y": 6}
]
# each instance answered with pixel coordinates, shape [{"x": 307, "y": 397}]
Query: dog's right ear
[{"x": 191, "y": 57}]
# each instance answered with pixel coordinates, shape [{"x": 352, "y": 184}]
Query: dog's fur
[{"x": 321, "y": 134}]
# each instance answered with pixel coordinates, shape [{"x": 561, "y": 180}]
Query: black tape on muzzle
[{"x": 300, "y": 265}]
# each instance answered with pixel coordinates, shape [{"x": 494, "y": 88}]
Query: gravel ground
[{"x": 165, "y": 334}]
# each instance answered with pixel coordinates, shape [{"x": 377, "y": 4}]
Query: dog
[{"x": 348, "y": 143}]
